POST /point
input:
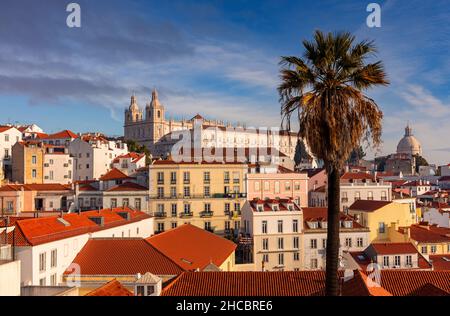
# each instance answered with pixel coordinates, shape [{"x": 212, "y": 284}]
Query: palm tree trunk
[{"x": 332, "y": 260}]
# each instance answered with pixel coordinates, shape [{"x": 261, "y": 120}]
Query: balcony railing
[
  {"x": 206, "y": 214},
  {"x": 160, "y": 181},
  {"x": 186, "y": 181},
  {"x": 160, "y": 214},
  {"x": 173, "y": 181},
  {"x": 186, "y": 214},
  {"x": 344, "y": 200},
  {"x": 199, "y": 196}
]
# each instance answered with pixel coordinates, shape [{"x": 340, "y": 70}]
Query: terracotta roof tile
[
  {"x": 62, "y": 135},
  {"x": 114, "y": 174},
  {"x": 123, "y": 256},
  {"x": 368, "y": 205},
  {"x": 429, "y": 233},
  {"x": 321, "y": 214},
  {"x": 394, "y": 248},
  {"x": 128, "y": 186},
  {"x": 281, "y": 203},
  {"x": 192, "y": 247},
  {"x": 112, "y": 288}
]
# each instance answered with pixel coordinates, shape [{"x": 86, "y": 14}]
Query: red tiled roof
[
  {"x": 41, "y": 230},
  {"x": 429, "y": 233},
  {"x": 414, "y": 282},
  {"x": 5, "y": 128},
  {"x": 87, "y": 187},
  {"x": 356, "y": 176},
  {"x": 394, "y": 248},
  {"x": 282, "y": 204},
  {"x": 128, "y": 186},
  {"x": 321, "y": 214},
  {"x": 36, "y": 187},
  {"x": 368, "y": 205},
  {"x": 114, "y": 174},
  {"x": 440, "y": 262},
  {"x": 65, "y": 134},
  {"x": 132, "y": 155},
  {"x": 299, "y": 283},
  {"x": 123, "y": 256},
  {"x": 112, "y": 288},
  {"x": 192, "y": 247}
]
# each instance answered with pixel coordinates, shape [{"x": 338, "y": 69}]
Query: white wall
[
  {"x": 434, "y": 217},
  {"x": 10, "y": 278},
  {"x": 61, "y": 165}
]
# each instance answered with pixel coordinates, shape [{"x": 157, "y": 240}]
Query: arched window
[{"x": 159, "y": 114}]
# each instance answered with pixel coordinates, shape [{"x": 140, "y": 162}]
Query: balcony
[
  {"x": 160, "y": 181},
  {"x": 206, "y": 214},
  {"x": 227, "y": 213},
  {"x": 173, "y": 181},
  {"x": 160, "y": 214},
  {"x": 186, "y": 181},
  {"x": 226, "y": 181},
  {"x": 186, "y": 214},
  {"x": 206, "y": 181},
  {"x": 199, "y": 196}
]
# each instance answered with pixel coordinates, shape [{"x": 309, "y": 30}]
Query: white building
[
  {"x": 276, "y": 227},
  {"x": 353, "y": 237},
  {"x": 129, "y": 163},
  {"x": 58, "y": 165},
  {"x": 46, "y": 246},
  {"x": 93, "y": 155},
  {"x": 9, "y": 135}
]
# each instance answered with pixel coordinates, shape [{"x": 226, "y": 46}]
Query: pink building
[
  {"x": 317, "y": 178},
  {"x": 277, "y": 182}
]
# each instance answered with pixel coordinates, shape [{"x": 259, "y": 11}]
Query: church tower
[
  {"x": 155, "y": 115},
  {"x": 133, "y": 114}
]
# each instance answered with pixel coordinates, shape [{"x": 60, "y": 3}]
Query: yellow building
[
  {"x": 28, "y": 162},
  {"x": 382, "y": 217},
  {"x": 207, "y": 195},
  {"x": 428, "y": 239}
]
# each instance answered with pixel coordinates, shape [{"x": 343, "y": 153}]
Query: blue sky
[{"x": 217, "y": 58}]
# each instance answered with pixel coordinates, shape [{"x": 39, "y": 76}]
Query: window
[
  {"x": 174, "y": 225},
  {"x": 6, "y": 153},
  {"x": 137, "y": 204},
  {"x": 281, "y": 258},
  {"x": 296, "y": 256},
  {"x": 54, "y": 258},
  {"x": 256, "y": 186},
  {"x": 42, "y": 282},
  {"x": 160, "y": 177},
  {"x": 226, "y": 177},
  {"x": 206, "y": 177},
  {"x": 357, "y": 196},
  {"x": 265, "y": 244},
  {"x": 324, "y": 243},
  {"x": 187, "y": 191},
  {"x": 266, "y": 186},
  {"x": 227, "y": 226},
  {"x": 207, "y": 191},
  {"x": 34, "y": 173},
  {"x": 227, "y": 207},
  {"x": 187, "y": 208},
  {"x": 409, "y": 260},
  {"x": 237, "y": 207},
  {"x": 160, "y": 227},
  {"x": 140, "y": 290},
  {"x": 151, "y": 288},
  {"x": 424, "y": 249},
  {"x": 264, "y": 227},
  {"x": 344, "y": 197},
  {"x": 359, "y": 242},
  {"x": 235, "y": 177},
  {"x": 186, "y": 177},
  {"x": 53, "y": 280},
  {"x": 314, "y": 264},
  {"x": 265, "y": 257},
  {"x": 287, "y": 186},
  {"x": 87, "y": 166},
  {"x": 33, "y": 160},
  {"x": 280, "y": 226},
  {"x": 160, "y": 208},
  {"x": 295, "y": 226},
  {"x": 313, "y": 243},
  {"x": 125, "y": 202},
  {"x": 113, "y": 203},
  {"x": 42, "y": 262},
  {"x": 173, "y": 178},
  {"x": 433, "y": 249},
  {"x": 280, "y": 243},
  {"x": 6, "y": 138},
  {"x": 277, "y": 187},
  {"x": 383, "y": 196},
  {"x": 397, "y": 260},
  {"x": 370, "y": 195},
  {"x": 296, "y": 243},
  {"x": 174, "y": 210},
  {"x": 381, "y": 228},
  {"x": 348, "y": 242},
  {"x": 386, "y": 261},
  {"x": 207, "y": 207},
  {"x": 160, "y": 192},
  {"x": 207, "y": 225}
]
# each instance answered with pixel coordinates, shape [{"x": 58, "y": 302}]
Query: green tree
[
  {"x": 356, "y": 155},
  {"x": 325, "y": 88},
  {"x": 420, "y": 161}
]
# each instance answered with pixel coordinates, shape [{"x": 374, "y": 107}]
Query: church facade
[{"x": 150, "y": 127}]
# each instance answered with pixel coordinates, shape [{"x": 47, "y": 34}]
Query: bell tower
[{"x": 155, "y": 115}]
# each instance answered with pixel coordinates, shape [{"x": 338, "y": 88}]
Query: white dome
[{"x": 409, "y": 144}]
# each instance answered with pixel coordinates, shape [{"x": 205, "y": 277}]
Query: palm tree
[{"x": 325, "y": 89}]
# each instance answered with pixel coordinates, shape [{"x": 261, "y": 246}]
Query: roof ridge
[{"x": 163, "y": 254}]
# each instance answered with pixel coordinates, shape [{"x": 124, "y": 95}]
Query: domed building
[{"x": 409, "y": 144}]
